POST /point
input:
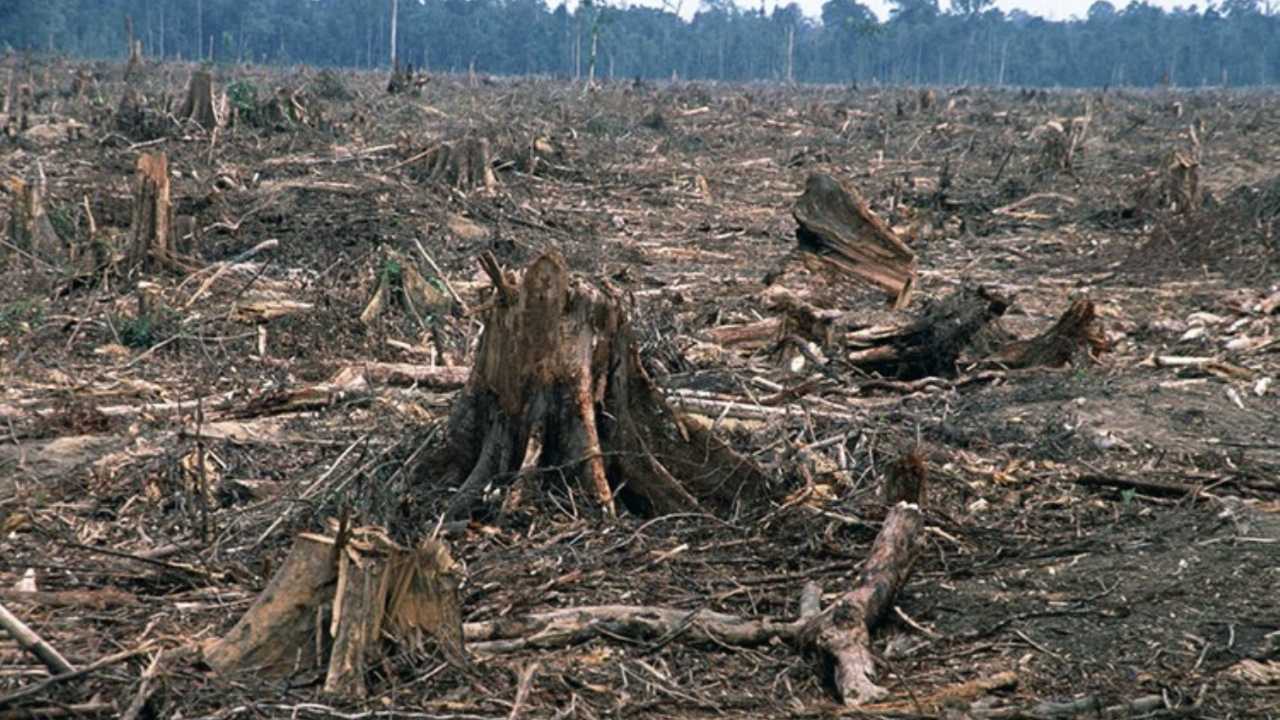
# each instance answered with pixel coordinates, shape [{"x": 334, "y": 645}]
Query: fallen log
[{"x": 841, "y": 632}]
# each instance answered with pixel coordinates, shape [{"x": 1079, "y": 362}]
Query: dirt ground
[{"x": 1103, "y": 539}]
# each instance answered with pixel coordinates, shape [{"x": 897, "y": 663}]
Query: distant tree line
[{"x": 1236, "y": 43}]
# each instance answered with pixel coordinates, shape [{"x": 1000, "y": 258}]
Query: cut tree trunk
[
  {"x": 198, "y": 105},
  {"x": 329, "y": 609},
  {"x": 466, "y": 165},
  {"x": 152, "y": 214},
  {"x": 841, "y": 239},
  {"x": 558, "y": 389},
  {"x": 29, "y": 227}
]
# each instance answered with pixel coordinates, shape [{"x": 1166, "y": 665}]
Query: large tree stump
[
  {"x": 466, "y": 165},
  {"x": 152, "y": 214},
  {"x": 558, "y": 390},
  {"x": 839, "y": 236},
  {"x": 198, "y": 105}
]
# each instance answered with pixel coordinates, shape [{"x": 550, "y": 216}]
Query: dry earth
[{"x": 1104, "y": 539}]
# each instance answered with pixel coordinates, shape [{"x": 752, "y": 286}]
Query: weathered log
[
  {"x": 557, "y": 388},
  {"x": 838, "y": 234}
]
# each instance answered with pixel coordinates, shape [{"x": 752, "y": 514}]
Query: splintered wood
[
  {"x": 338, "y": 603},
  {"x": 840, "y": 236},
  {"x": 29, "y": 227}
]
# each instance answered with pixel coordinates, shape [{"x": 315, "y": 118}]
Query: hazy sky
[{"x": 1051, "y": 9}]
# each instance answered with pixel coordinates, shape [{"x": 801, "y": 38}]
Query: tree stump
[
  {"x": 932, "y": 344},
  {"x": 466, "y": 165},
  {"x": 557, "y": 390},
  {"x": 333, "y": 604},
  {"x": 839, "y": 235},
  {"x": 1072, "y": 335},
  {"x": 152, "y": 214},
  {"x": 198, "y": 105},
  {"x": 29, "y": 227}
]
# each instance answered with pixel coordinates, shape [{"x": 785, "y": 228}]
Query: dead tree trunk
[
  {"x": 840, "y": 236},
  {"x": 465, "y": 165},
  {"x": 198, "y": 105},
  {"x": 841, "y": 632},
  {"x": 557, "y": 388},
  {"x": 29, "y": 227},
  {"x": 152, "y": 214}
]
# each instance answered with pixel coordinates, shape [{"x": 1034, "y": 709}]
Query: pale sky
[{"x": 1050, "y": 9}]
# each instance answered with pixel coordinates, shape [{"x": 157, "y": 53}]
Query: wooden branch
[
  {"x": 572, "y": 626},
  {"x": 28, "y": 639},
  {"x": 6, "y": 700},
  {"x": 841, "y": 633}
]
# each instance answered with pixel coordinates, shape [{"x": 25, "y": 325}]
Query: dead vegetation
[{"x": 490, "y": 397}]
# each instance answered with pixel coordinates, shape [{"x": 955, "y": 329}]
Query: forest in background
[{"x": 969, "y": 42}]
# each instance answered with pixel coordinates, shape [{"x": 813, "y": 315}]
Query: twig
[
  {"x": 144, "y": 689},
  {"x": 522, "y": 692},
  {"x": 28, "y": 639},
  {"x": 48, "y": 682},
  {"x": 443, "y": 278},
  {"x": 310, "y": 491}
]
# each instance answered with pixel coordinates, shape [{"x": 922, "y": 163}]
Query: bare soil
[{"x": 1104, "y": 537}]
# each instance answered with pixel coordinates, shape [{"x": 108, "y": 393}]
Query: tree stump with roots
[
  {"x": 466, "y": 165},
  {"x": 557, "y": 393}
]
